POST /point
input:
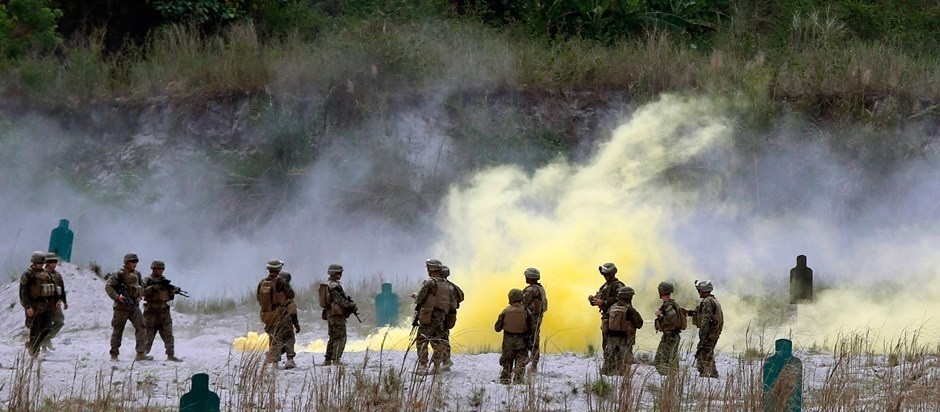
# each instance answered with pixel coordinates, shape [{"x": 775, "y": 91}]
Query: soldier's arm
[
  {"x": 635, "y": 318},
  {"x": 288, "y": 290},
  {"x": 527, "y": 296},
  {"x": 426, "y": 289},
  {"x": 62, "y": 285},
  {"x": 708, "y": 317},
  {"x": 25, "y": 300},
  {"x": 150, "y": 286},
  {"x": 499, "y": 322},
  {"x": 111, "y": 285},
  {"x": 340, "y": 298}
]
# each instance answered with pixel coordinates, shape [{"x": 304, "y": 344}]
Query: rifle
[
  {"x": 355, "y": 311},
  {"x": 128, "y": 300},
  {"x": 165, "y": 283}
]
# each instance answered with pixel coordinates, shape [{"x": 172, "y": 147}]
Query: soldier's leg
[
  {"x": 447, "y": 361},
  {"x": 274, "y": 346},
  {"x": 58, "y": 321},
  {"x": 166, "y": 333},
  {"x": 151, "y": 325},
  {"x": 661, "y": 360},
  {"x": 670, "y": 354},
  {"x": 39, "y": 330},
  {"x": 521, "y": 360},
  {"x": 118, "y": 321},
  {"x": 289, "y": 339},
  {"x": 333, "y": 333},
  {"x": 613, "y": 356},
  {"x": 340, "y": 339},
  {"x": 506, "y": 362},
  {"x": 705, "y": 358},
  {"x": 536, "y": 342},
  {"x": 140, "y": 330},
  {"x": 422, "y": 340}
]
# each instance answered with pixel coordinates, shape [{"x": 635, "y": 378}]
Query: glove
[{"x": 297, "y": 328}]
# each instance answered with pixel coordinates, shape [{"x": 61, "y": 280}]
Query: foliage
[{"x": 27, "y": 26}]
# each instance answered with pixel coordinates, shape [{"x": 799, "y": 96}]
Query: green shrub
[{"x": 27, "y": 26}]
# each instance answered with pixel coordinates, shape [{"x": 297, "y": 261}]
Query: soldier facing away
[
  {"x": 606, "y": 296},
  {"x": 621, "y": 333},
  {"x": 274, "y": 294},
  {"x": 58, "y": 316},
  {"x": 291, "y": 304},
  {"x": 518, "y": 325},
  {"x": 667, "y": 322},
  {"x": 338, "y": 308},
  {"x": 124, "y": 288},
  {"x": 535, "y": 299},
  {"x": 709, "y": 319},
  {"x": 158, "y": 292},
  {"x": 38, "y": 297},
  {"x": 432, "y": 303},
  {"x": 450, "y": 320}
]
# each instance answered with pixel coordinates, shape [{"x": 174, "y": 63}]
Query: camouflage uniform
[
  {"x": 710, "y": 320},
  {"x": 276, "y": 319},
  {"x": 129, "y": 280},
  {"x": 432, "y": 303},
  {"x": 668, "y": 350},
  {"x": 37, "y": 292},
  {"x": 619, "y": 350},
  {"x": 58, "y": 313},
  {"x": 157, "y": 295},
  {"x": 341, "y": 306},
  {"x": 535, "y": 299},
  {"x": 608, "y": 296},
  {"x": 517, "y": 338}
]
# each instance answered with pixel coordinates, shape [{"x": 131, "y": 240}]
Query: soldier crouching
[{"x": 517, "y": 325}]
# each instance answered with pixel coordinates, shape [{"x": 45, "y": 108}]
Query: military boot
[
  {"x": 114, "y": 357},
  {"x": 173, "y": 358},
  {"x": 290, "y": 364},
  {"x": 143, "y": 357}
]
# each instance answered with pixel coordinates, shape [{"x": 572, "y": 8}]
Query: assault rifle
[
  {"x": 165, "y": 283},
  {"x": 128, "y": 300},
  {"x": 356, "y": 310}
]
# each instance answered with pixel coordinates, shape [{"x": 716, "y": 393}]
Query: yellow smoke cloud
[{"x": 566, "y": 220}]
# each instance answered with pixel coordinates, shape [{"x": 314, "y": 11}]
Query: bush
[{"x": 27, "y": 26}]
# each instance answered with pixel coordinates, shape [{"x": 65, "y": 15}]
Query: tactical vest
[
  {"x": 514, "y": 320},
  {"x": 59, "y": 284},
  {"x": 130, "y": 281},
  {"x": 42, "y": 285},
  {"x": 266, "y": 295},
  {"x": 619, "y": 321},
  {"x": 442, "y": 295}
]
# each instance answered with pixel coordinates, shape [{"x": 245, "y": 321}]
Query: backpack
[
  {"x": 618, "y": 321},
  {"x": 266, "y": 295},
  {"x": 323, "y": 295},
  {"x": 683, "y": 317}
]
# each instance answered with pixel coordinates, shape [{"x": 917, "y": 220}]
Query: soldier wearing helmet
[
  {"x": 38, "y": 297},
  {"x": 709, "y": 319},
  {"x": 622, "y": 324},
  {"x": 274, "y": 295},
  {"x": 536, "y": 300},
  {"x": 58, "y": 316},
  {"x": 518, "y": 325},
  {"x": 125, "y": 289},
  {"x": 606, "y": 296},
  {"x": 340, "y": 307},
  {"x": 668, "y": 322},
  {"x": 291, "y": 305},
  {"x": 432, "y": 303},
  {"x": 158, "y": 292}
]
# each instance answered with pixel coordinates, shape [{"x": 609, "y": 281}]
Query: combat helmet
[
  {"x": 51, "y": 257},
  {"x": 433, "y": 264},
  {"x": 285, "y": 275},
  {"x": 275, "y": 264},
  {"x": 515, "y": 295},
  {"x": 157, "y": 264},
  {"x": 532, "y": 274},
  {"x": 131, "y": 257},
  {"x": 334, "y": 269},
  {"x": 445, "y": 271},
  {"x": 625, "y": 292},
  {"x": 37, "y": 257},
  {"x": 665, "y": 288},
  {"x": 607, "y": 269},
  {"x": 704, "y": 285}
]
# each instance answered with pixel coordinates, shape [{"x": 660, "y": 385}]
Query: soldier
[
  {"x": 339, "y": 307},
  {"x": 450, "y": 320},
  {"x": 158, "y": 292},
  {"x": 605, "y": 297},
  {"x": 58, "y": 316},
  {"x": 432, "y": 303},
  {"x": 274, "y": 295},
  {"x": 667, "y": 322},
  {"x": 124, "y": 288},
  {"x": 291, "y": 305},
  {"x": 621, "y": 333},
  {"x": 709, "y": 319},
  {"x": 38, "y": 297},
  {"x": 518, "y": 325},
  {"x": 535, "y": 299}
]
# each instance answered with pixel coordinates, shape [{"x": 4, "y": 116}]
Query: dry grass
[{"x": 853, "y": 376}]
